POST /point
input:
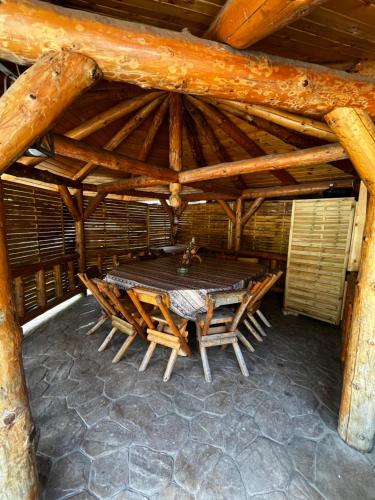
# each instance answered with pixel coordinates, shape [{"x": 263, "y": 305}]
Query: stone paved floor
[{"x": 108, "y": 431}]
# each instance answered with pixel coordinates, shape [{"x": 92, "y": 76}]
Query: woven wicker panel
[{"x": 318, "y": 255}]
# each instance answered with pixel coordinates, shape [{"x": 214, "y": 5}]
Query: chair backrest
[
  {"x": 260, "y": 288},
  {"x": 217, "y": 299},
  {"x": 91, "y": 285},
  {"x": 161, "y": 301},
  {"x": 113, "y": 294}
]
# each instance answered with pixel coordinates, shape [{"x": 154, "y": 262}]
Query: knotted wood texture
[
  {"x": 18, "y": 475},
  {"x": 241, "y": 23},
  {"x": 37, "y": 98},
  {"x": 156, "y": 58},
  {"x": 356, "y": 132}
]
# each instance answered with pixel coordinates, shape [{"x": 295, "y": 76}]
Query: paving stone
[
  {"x": 254, "y": 464},
  {"x": 44, "y": 467},
  {"x": 160, "y": 404},
  {"x": 300, "y": 489},
  {"x": 248, "y": 399},
  {"x": 121, "y": 383},
  {"x": 167, "y": 433},
  {"x": 35, "y": 375},
  {"x": 273, "y": 421},
  {"x": 58, "y": 369},
  {"x": 298, "y": 401},
  {"x": 133, "y": 413},
  {"x": 95, "y": 410},
  {"x": 219, "y": 403},
  {"x": 308, "y": 426},
  {"x": 128, "y": 495},
  {"x": 193, "y": 463},
  {"x": 105, "y": 436},
  {"x": 224, "y": 482},
  {"x": 342, "y": 472},
  {"x": 61, "y": 429},
  {"x": 109, "y": 473},
  {"x": 303, "y": 453},
  {"x": 273, "y": 495},
  {"x": 84, "y": 368},
  {"x": 61, "y": 389},
  {"x": 87, "y": 390},
  {"x": 188, "y": 406},
  {"x": 83, "y": 495},
  {"x": 172, "y": 492},
  {"x": 150, "y": 471},
  {"x": 68, "y": 474}
]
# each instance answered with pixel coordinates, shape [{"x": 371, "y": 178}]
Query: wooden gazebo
[{"x": 140, "y": 112}]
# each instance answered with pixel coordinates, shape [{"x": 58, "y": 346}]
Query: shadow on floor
[{"x": 108, "y": 431}]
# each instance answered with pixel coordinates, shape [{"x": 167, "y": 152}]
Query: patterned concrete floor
[{"x": 108, "y": 431}]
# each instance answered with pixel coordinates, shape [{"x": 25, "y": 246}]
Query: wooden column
[
  {"x": 238, "y": 225},
  {"x": 31, "y": 105},
  {"x": 356, "y": 132},
  {"x": 175, "y": 145},
  {"x": 18, "y": 477},
  {"x": 80, "y": 233}
]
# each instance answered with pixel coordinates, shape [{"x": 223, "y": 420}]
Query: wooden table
[{"x": 187, "y": 293}]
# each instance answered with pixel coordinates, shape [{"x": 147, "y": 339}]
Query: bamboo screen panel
[
  {"x": 39, "y": 228},
  {"x": 268, "y": 229},
  {"x": 320, "y": 237},
  {"x": 123, "y": 225},
  {"x": 207, "y": 223}
]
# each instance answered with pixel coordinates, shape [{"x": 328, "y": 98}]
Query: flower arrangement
[{"x": 187, "y": 257}]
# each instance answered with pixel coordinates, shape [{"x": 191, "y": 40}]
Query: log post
[
  {"x": 238, "y": 225},
  {"x": 356, "y": 132},
  {"x": 32, "y": 104},
  {"x": 175, "y": 145},
  {"x": 251, "y": 211},
  {"x": 229, "y": 212},
  {"x": 18, "y": 477},
  {"x": 80, "y": 233}
]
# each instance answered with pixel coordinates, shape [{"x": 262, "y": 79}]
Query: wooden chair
[
  {"x": 124, "y": 319},
  {"x": 259, "y": 290},
  {"x": 87, "y": 279},
  {"x": 218, "y": 327},
  {"x": 163, "y": 327}
]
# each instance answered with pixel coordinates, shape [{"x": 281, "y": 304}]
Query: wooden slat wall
[
  {"x": 318, "y": 256},
  {"x": 268, "y": 229},
  {"x": 207, "y": 223},
  {"x": 123, "y": 225},
  {"x": 39, "y": 228}
]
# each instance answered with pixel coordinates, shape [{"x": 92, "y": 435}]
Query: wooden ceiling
[{"x": 340, "y": 31}]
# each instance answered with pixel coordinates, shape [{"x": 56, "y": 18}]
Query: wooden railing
[{"x": 63, "y": 288}]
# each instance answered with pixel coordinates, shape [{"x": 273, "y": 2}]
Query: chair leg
[
  {"x": 257, "y": 325},
  {"x": 252, "y": 330},
  {"x": 170, "y": 365},
  {"x": 124, "y": 348},
  {"x": 146, "y": 359},
  {"x": 263, "y": 318},
  {"x": 206, "y": 366},
  {"x": 107, "y": 340},
  {"x": 245, "y": 342},
  {"x": 240, "y": 359},
  {"x": 103, "y": 318}
]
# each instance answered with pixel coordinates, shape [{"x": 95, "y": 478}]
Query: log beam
[
  {"x": 132, "y": 183},
  {"x": 110, "y": 159},
  {"x": 70, "y": 203},
  {"x": 356, "y": 132},
  {"x": 34, "y": 101},
  {"x": 230, "y": 214},
  {"x": 241, "y": 23},
  {"x": 305, "y": 157},
  {"x": 18, "y": 478},
  {"x": 121, "y": 135},
  {"x": 153, "y": 130},
  {"x": 156, "y": 58},
  {"x": 302, "y": 189},
  {"x": 24, "y": 172},
  {"x": 93, "y": 204},
  {"x": 251, "y": 211}
]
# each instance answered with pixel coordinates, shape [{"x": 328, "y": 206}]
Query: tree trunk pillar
[
  {"x": 238, "y": 225},
  {"x": 356, "y": 132},
  {"x": 80, "y": 233},
  {"x": 18, "y": 473}
]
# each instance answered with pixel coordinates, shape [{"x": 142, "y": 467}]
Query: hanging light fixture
[{"x": 42, "y": 148}]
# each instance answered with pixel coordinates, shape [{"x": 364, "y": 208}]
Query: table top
[{"x": 187, "y": 292}]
